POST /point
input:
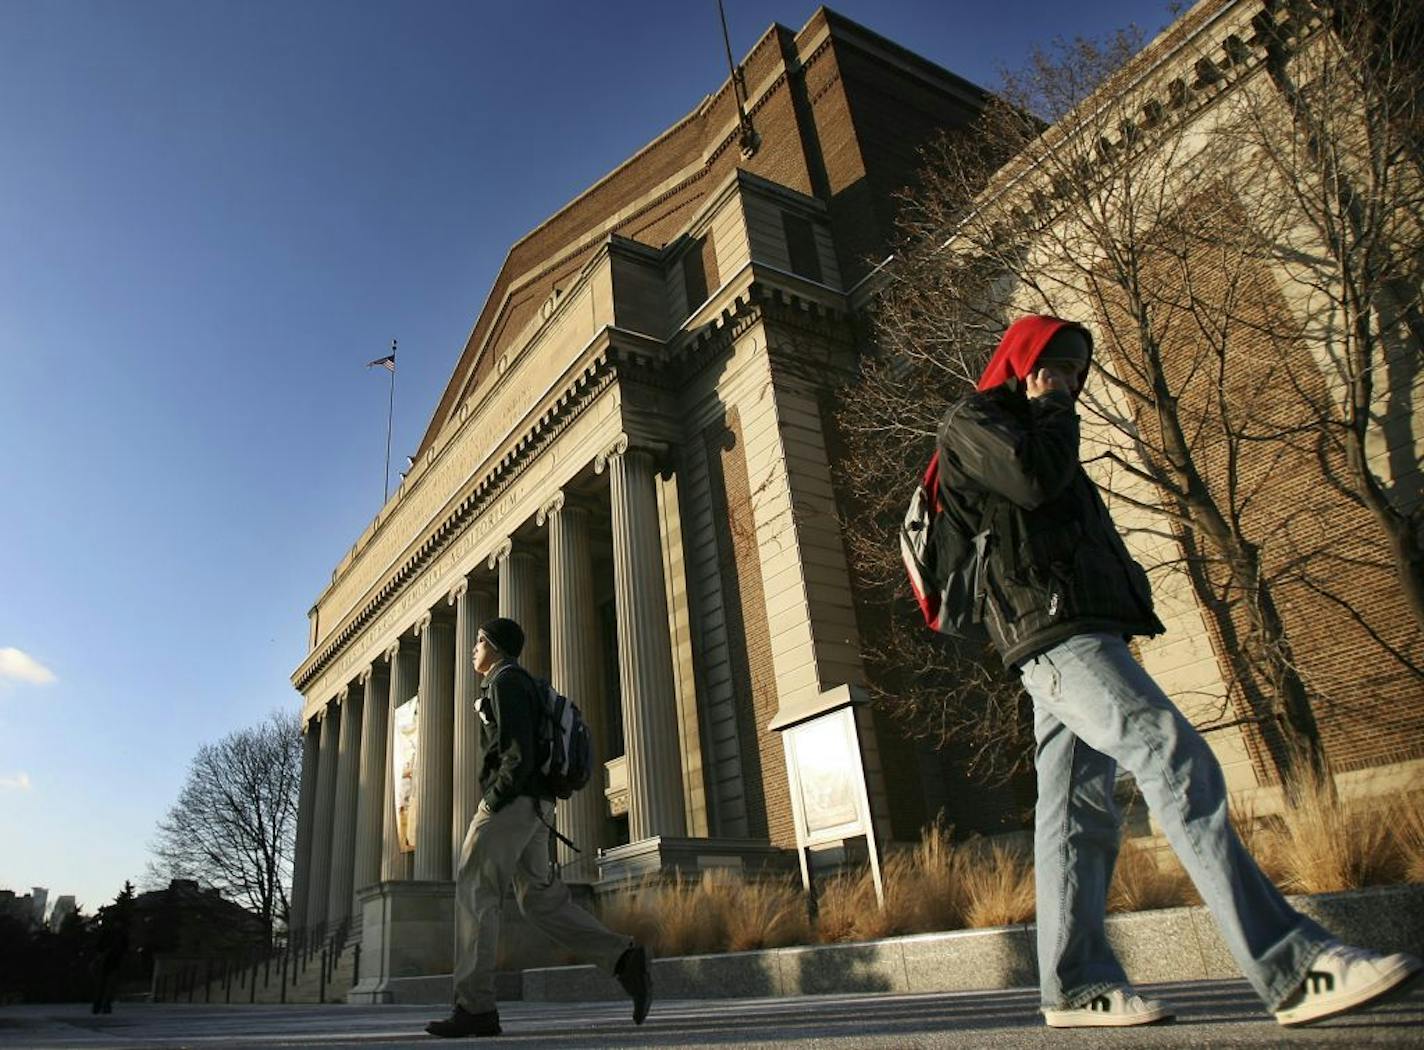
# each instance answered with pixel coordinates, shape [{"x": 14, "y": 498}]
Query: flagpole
[{"x": 390, "y": 417}]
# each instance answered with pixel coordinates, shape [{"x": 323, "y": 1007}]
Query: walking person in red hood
[{"x": 1063, "y": 596}]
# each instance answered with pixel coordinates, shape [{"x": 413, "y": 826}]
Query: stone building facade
[
  {"x": 631, "y": 460},
  {"x": 1166, "y": 173},
  {"x": 633, "y": 457}
]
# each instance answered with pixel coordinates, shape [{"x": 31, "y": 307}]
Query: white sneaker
[
  {"x": 1342, "y": 978},
  {"x": 1116, "y": 1008}
]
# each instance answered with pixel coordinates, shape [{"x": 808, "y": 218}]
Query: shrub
[
  {"x": 717, "y": 911},
  {"x": 1408, "y": 824},
  {"x": 756, "y": 913},
  {"x": 842, "y": 903},
  {"x": 1325, "y": 844},
  {"x": 997, "y": 885},
  {"x": 1143, "y": 880},
  {"x": 1319, "y": 844}
]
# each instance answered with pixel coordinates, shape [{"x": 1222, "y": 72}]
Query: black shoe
[
  {"x": 635, "y": 974},
  {"x": 462, "y": 1023}
]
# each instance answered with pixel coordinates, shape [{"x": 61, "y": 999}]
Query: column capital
[
  {"x": 423, "y": 624},
  {"x": 366, "y": 673},
  {"x": 565, "y": 502},
  {"x": 624, "y": 445},
  {"x": 618, "y": 448},
  {"x": 344, "y": 692},
  {"x": 458, "y": 591},
  {"x": 504, "y": 550},
  {"x": 392, "y": 651},
  {"x": 549, "y": 509}
]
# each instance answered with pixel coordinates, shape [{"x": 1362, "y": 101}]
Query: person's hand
[{"x": 1043, "y": 380}]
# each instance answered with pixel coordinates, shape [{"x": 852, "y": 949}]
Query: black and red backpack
[{"x": 944, "y": 561}]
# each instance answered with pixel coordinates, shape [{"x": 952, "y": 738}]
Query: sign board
[{"x": 827, "y": 778}]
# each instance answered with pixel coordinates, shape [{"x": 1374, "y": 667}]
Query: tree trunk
[{"x": 1377, "y": 291}]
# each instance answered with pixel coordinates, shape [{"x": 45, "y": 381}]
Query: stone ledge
[{"x": 1173, "y": 944}]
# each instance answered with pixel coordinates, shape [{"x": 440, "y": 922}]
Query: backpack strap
[
  {"x": 990, "y": 517},
  {"x": 555, "y": 831}
]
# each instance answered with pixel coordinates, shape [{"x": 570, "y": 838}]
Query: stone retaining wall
[{"x": 1172, "y": 944}]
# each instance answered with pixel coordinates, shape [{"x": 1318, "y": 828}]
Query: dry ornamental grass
[{"x": 1319, "y": 843}]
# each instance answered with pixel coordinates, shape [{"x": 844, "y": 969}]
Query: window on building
[
  {"x": 699, "y": 271},
  {"x": 694, "y": 278},
  {"x": 801, "y": 246}
]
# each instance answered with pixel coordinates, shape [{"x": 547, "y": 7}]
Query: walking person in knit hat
[
  {"x": 508, "y": 842},
  {"x": 1062, "y": 598}
]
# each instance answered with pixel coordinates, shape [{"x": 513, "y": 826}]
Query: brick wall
[
  {"x": 1325, "y": 557},
  {"x": 768, "y": 797},
  {"x": 849, "y": 140}
]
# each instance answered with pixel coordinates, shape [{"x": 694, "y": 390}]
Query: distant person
[
  {"x": 508, "y": 842},
  {"x": 1063, "y": 597}
]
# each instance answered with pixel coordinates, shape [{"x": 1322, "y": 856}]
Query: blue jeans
[{"x": 1095, "y": 707}]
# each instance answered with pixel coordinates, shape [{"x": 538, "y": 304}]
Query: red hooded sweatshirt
[{"x": 1019, "y": 350}]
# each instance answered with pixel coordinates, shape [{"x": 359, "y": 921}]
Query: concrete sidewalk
[{"x": 1210, "y": 1014}]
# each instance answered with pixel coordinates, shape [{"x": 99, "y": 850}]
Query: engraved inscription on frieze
[
  {"x": 469, "y": 450},
  {"x": 593, "y": 429}
]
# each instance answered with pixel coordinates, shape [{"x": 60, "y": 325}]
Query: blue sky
[{"x": 212, "y": 214}]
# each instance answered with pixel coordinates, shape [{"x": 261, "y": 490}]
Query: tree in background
[
  {"x": 234, "y": 824},
  {"x": 1338, "y": 146},
  {"x": 1144, "y": 215},
  {"x": 113, "y": 936}
]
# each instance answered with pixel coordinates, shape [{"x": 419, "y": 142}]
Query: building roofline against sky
[
  {"x": 1161, "y": 53},
  {"x": 506, "y": 283}
]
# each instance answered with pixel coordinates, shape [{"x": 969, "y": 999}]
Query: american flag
[{"x": 388, "y": 363}]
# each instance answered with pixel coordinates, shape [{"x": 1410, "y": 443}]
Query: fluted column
[
  {"x": 519, "y": 597},
  {"x": 306, "y": 815},
  {"x": 435, "y": 739},
  {"x": 473, "y": 606},
  {"x": 320, "y": 886},
  {"x": 575, "y": 671},
  {"x": 405, "y": 680},
  {"x": 644, "y": 646},
  {"x": 343, "y": 821},
  {"x": 371, "y": 793}
]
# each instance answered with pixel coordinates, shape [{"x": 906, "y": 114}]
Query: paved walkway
[{"x": 1210, "y": 1014}]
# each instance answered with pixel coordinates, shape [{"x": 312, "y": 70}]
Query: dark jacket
[
  {"x": 1055, "y": 565},
  {"x": 509, "y": 707}
]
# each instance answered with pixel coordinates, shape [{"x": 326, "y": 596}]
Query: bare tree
[
  {"x": 234, "y": 824},
  {"x": 1137, "y": 210},
  {"x": 930, "y": 341},
  {"x": 1337, "y": 145}
]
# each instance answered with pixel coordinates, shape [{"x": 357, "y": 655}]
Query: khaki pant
[{"x": 513, "y": 846}]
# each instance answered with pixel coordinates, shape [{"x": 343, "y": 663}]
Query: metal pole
[
  {"x": 390, "y": 417},
  {"x": 749, "y": 139}
]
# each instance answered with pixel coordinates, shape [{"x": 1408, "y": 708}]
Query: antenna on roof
[{"x": 748, "y": 139}]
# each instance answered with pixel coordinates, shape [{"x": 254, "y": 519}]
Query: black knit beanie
[{"x": 505, "y": 635}]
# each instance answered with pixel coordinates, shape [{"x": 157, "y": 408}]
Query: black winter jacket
[
  {"x": 1055, "y": 565},
  {"x": 510, "y": 708}
]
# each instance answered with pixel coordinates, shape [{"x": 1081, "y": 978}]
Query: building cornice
[
  {"x": 580, "y": 386},
  {"x": 1213, "y": 48}
]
